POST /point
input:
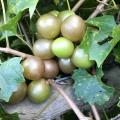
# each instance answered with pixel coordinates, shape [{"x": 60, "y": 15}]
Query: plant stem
[
  {"x": 68, "y": 4},
  {"x": 37, "y": 12},
  {"x": 24, "y": 41},
  {"x": 114, "y": 4},
  {"x": 77, "y": 5},
  {"x": 58, "y": 80},
  {"x": 98, "y": 9},
  {"x": 21, "y": 38},
  {"x": 118, "y": 17},
  {"x": 79, "y": 114},
  {"x": 14, "y": 52},
  {"x": 105, "y": 114},
  {"x": 95, "y": 112},
  {"x": 4, "y": 17},
  {"x": 101, "y": 2},
  {"x": 25, "y": 34}
]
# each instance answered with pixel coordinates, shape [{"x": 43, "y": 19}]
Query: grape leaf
[
  {"x": 16, "y": 43},
  {"x": 98, "y": 43},
  {"x": 116, "y": 35},
  {"x": 11, "y": 74},
  {"x": 90, "y": 88},
  {"x": 6, "y": 116},
  {"x": 116, "y": 50},
  {"x": 116, "y": 53},
  {"x": 16, "y": 6},
  {"x": 103, "y": 24},
  {"x": 10, "y": 27}
]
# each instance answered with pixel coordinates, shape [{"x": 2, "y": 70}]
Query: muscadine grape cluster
[{"x": 59, "y": 34}]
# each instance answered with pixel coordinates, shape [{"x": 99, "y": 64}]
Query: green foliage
[
  {"x": 117, "y": 49},
  {"x": 118, "y": 103},
  {"x": 16, "y": 6},
  {"x": 90, "y": 88},
  {"x": 10, "y": 28},
  {"x": 116, "y": 52},
  {"x": 100, "y": 38},
  {"x": 17, "y": 44},
  {"x": 116, "y": 35},
  {"x": 6, "y": 116},
  {"x": 11, "y": 74},
  {"x": 102, "y": 23}
]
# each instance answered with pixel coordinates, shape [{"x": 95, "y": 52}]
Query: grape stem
[
  {"x": 77, "y": 5},
  {"x": 25, "y": 34},
  {"x": 21, "y": 38},
  {"x": 97, "y": 11},
  {"x": 68, "y": 4},
  {"x": 99, "y": 8},
  {"x": 14, "y": 52},
  {"x": 95, "y": 112},
  {"x": 79, "y": 114},
  {"x": 37, "y": 12}
]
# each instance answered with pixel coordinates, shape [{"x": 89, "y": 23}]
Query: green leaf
[
  {"x": 16, "y": 6},
  {"x": 116, "y": 53},
  {"x": 6, "y": 116},
  {"x": 10, "y": 28},
  {"x": 103, "y": 24},
  {"x": 90, "y": 88},
  {"x": 16, "y": 43},
  {"x": 11, "y": 74},
  {"x": 98, "y": 43},
  {"x": 116, "y": 35}
]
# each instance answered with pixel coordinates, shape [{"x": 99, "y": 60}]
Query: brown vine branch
[
  {"x": 14, "y": 52},
  {"x": 79, "y": 114},
  {"x": 77, "y": 5},
  {"x": 99, "y": 9},
  {"x": 101, "y": 2},
  {"x": 95, "y": 112}
]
